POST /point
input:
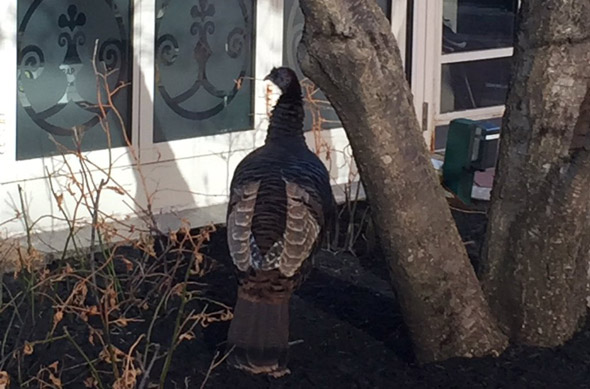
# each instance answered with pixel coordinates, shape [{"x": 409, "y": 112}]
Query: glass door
[
  {"x": 470, "y": 43},
  {"x": 183, "y": 72},
  {"x": 54, "y": 50},
  {"x": 190, "y": 97},
  {"x": 198, "y": 63},
  {"x": 190, "y": 100}
]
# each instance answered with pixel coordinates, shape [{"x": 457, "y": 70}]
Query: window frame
[
  {"x": 35, "y": 168},
  {"x": 265, "y": 38},
  {"x": 427, "y": 71}
]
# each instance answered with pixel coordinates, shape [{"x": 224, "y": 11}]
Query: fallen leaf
[
  {"x": 186, "y": 336},
  {"x": 57, "y": 317},
  {"x": 178, "y": 289},
  {"x": 4, "y": 380},
  {"x": 90, "y": 382},
  {"x": 54, "y": 366},
  {"x": 55, "y": 381},
  {"x": 93, "y": 310},
  {"x": 121, "y": 322},
  {"x": 128, "y": 379},
  {"x": 106, "y": 356},
  {"x": 79, "y": 293},
  {"x": 28, "y": 349},
  {"x": 128, "y": 264}
]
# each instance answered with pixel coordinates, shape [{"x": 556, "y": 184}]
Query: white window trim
[
  {"x": 399, "y": 12},
  {"x": 469, "y": 56},
  {"x": 473, "y": 114}
]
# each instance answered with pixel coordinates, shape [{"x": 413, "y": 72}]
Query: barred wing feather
[
  {"x": 239, "y": 223},
  {"x": 301, "y": 231}
]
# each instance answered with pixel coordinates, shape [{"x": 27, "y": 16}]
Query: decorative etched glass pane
[
  {"x": 476, "y": 84},
  {"x": 293, "y": 30},
  {"x": 478, "y": 24},
  {"x": 57, "y": 85},
  {"x": 203, "y": 68}
]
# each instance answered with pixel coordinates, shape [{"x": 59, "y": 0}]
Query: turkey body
[{"x": 280, "y": 203}]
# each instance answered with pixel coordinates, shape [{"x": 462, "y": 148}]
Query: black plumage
[{"x": 280, "y": 203}]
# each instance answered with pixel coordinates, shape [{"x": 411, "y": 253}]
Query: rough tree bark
[
  {"x": 536, "y": 255},
  {"x": 348, "y": 50}
]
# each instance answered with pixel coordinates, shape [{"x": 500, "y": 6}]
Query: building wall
[
  {"x": 182, "y": 181},
  {"x": 187, "y": 178}
]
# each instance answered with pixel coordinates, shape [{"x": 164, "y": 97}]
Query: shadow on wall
[{"x": 202, "y": 104}]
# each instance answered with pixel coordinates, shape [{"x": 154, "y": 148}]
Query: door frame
[{"x": 427, "y": 71}]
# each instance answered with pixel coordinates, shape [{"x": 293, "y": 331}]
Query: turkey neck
[{"x": 286, "y": 120}]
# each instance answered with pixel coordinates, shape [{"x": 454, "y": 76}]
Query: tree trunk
[
  {"x": 536, "y": 253},
  {"x": 348, "y": 50}
]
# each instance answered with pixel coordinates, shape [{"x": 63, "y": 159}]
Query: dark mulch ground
[
  {"x": 349, "y": 333},
  {"x": 353, "y": 336}
]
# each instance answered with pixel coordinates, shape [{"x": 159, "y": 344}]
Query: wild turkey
[{"x": 280, "y": 203}]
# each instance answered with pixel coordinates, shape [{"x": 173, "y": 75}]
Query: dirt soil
[{"x": 347, "y": 332}]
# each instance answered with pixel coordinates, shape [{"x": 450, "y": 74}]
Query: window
[
  {"x": 193, "y": 102},
  {"x": 470, "y": 25},
  {"x": 200, "y": 82},
  {"x": 57, "y": 97},
  {"x": 474, "y": 84},
  {"x": 203, "y": 68},
  {"x": 462, "y": 61},
  {"x": 477, "y": 38},
  {"x": 203, "y": 72}
]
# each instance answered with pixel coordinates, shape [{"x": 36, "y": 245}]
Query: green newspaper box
[{"x": 471, "y": 146}]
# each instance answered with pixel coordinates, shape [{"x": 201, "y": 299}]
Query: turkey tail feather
[{"x": 259, "y": 337}]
